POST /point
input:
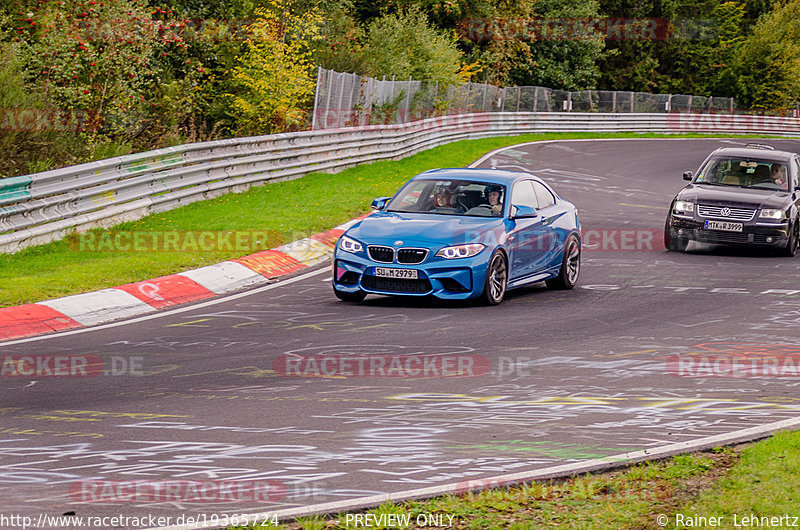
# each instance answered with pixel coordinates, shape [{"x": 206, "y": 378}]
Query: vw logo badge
[
  {"x": 725, "y": 212},
  {"x": 398, "y": 243}
]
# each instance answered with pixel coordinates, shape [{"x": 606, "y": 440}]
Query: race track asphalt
[{"x": 633, "y": 358}]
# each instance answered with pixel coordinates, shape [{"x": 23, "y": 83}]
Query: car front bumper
[
  {"x": 460, "y": 280},
  {"x": 752, "y": 234}
]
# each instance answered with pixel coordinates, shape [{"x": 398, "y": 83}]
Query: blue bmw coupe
[{"x": 460, "y": 234}]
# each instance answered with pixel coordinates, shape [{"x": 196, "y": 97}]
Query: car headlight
[
  {"x": 684, "y": 206},
  {"x": 350, "y": 245},
  {"x": 770, "y": 213},
  {"x": 460, "y": 251}
]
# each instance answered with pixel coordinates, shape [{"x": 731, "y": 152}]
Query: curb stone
[{"x": 146, "y": 296}]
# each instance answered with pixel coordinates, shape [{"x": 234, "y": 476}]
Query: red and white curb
[{"x": 124, "y": 301}]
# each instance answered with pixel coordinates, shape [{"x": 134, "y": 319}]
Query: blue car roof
[{"x": 497, "y": 176}]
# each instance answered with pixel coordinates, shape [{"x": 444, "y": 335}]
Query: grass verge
[
  {"x": 284, "y": 211},
  {"x": 728, "y": 484}
]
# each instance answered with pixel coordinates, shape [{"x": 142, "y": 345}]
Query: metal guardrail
[{"x": 43, "y": 207}]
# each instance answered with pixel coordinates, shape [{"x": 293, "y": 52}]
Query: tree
[
  {"x": 563, "y": 53},
  {"x": 769, "y": 60},
  {"x": 699, "y": 54},
  {"x": 341, "y": 46},
  {"x": 275, "y": 79},
  {"x": 404, "y": 44}
]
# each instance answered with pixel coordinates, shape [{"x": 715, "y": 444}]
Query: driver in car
[
  {"x": 493, "y": 194},
  {"x": 778, "y": 175}
]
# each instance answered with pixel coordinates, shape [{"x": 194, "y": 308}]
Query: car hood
[
  {"x": 422, "y": 229},
  {"x": 730, "y": 195}
]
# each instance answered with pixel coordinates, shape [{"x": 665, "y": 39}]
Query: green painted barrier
[{"x": 15, "y": 189}]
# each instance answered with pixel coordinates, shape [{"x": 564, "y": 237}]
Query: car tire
[
  {"x": 674, "y": 243},
  {"x": 570, "y": 265},
  {"x": 494, "y": 287},
  {"x": 355, "y": 297},
  {"x": 791, "y": 245}
]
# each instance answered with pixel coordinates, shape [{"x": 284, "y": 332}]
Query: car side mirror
[
  {"x": 521, "y": 212},
  {"x": 687, "y": 175},
  {"x": 380, "y": 203}
]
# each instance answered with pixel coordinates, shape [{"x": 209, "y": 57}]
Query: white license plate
[
  {"x": 406, "y": 274},
  {"x": 724, "y": 225}
]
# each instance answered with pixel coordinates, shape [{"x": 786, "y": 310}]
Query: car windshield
[
  {"x": 745, "y": 173},
  {"x": 450, "y": 197}
]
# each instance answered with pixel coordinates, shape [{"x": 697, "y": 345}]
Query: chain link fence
[{"x": 346, "y": 100}]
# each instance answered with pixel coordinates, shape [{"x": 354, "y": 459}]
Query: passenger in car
[
  {"x": 445, "y": 201},
  {"x": 760, "y": 175}
]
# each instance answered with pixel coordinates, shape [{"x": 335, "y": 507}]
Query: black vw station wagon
[{"x": 741, "y": 196}]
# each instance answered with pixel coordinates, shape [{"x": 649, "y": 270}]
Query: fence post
[
  {"x": 633, "y": 94},
  {"x": 316, "y": 100},
  {"x": 408, "y": 101},
  {"x": 519, "y": 91},
  {"x": 466, "y": 102},
  {"x": 328, "y": 98},
  {"x": 341, "y": 101},
  {"x": 483, "y": 100},
  {"x": 614, "y": 101},
  {"x": 450, "y": 99},
  {"x": 690, "y": 104}
]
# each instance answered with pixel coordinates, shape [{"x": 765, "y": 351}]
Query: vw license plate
[
  {"x": 406, "y": 274},
  {"x": 724, "y": 225}
]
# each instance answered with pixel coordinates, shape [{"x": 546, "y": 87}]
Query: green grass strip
[{"x": 284, "y": 211}]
